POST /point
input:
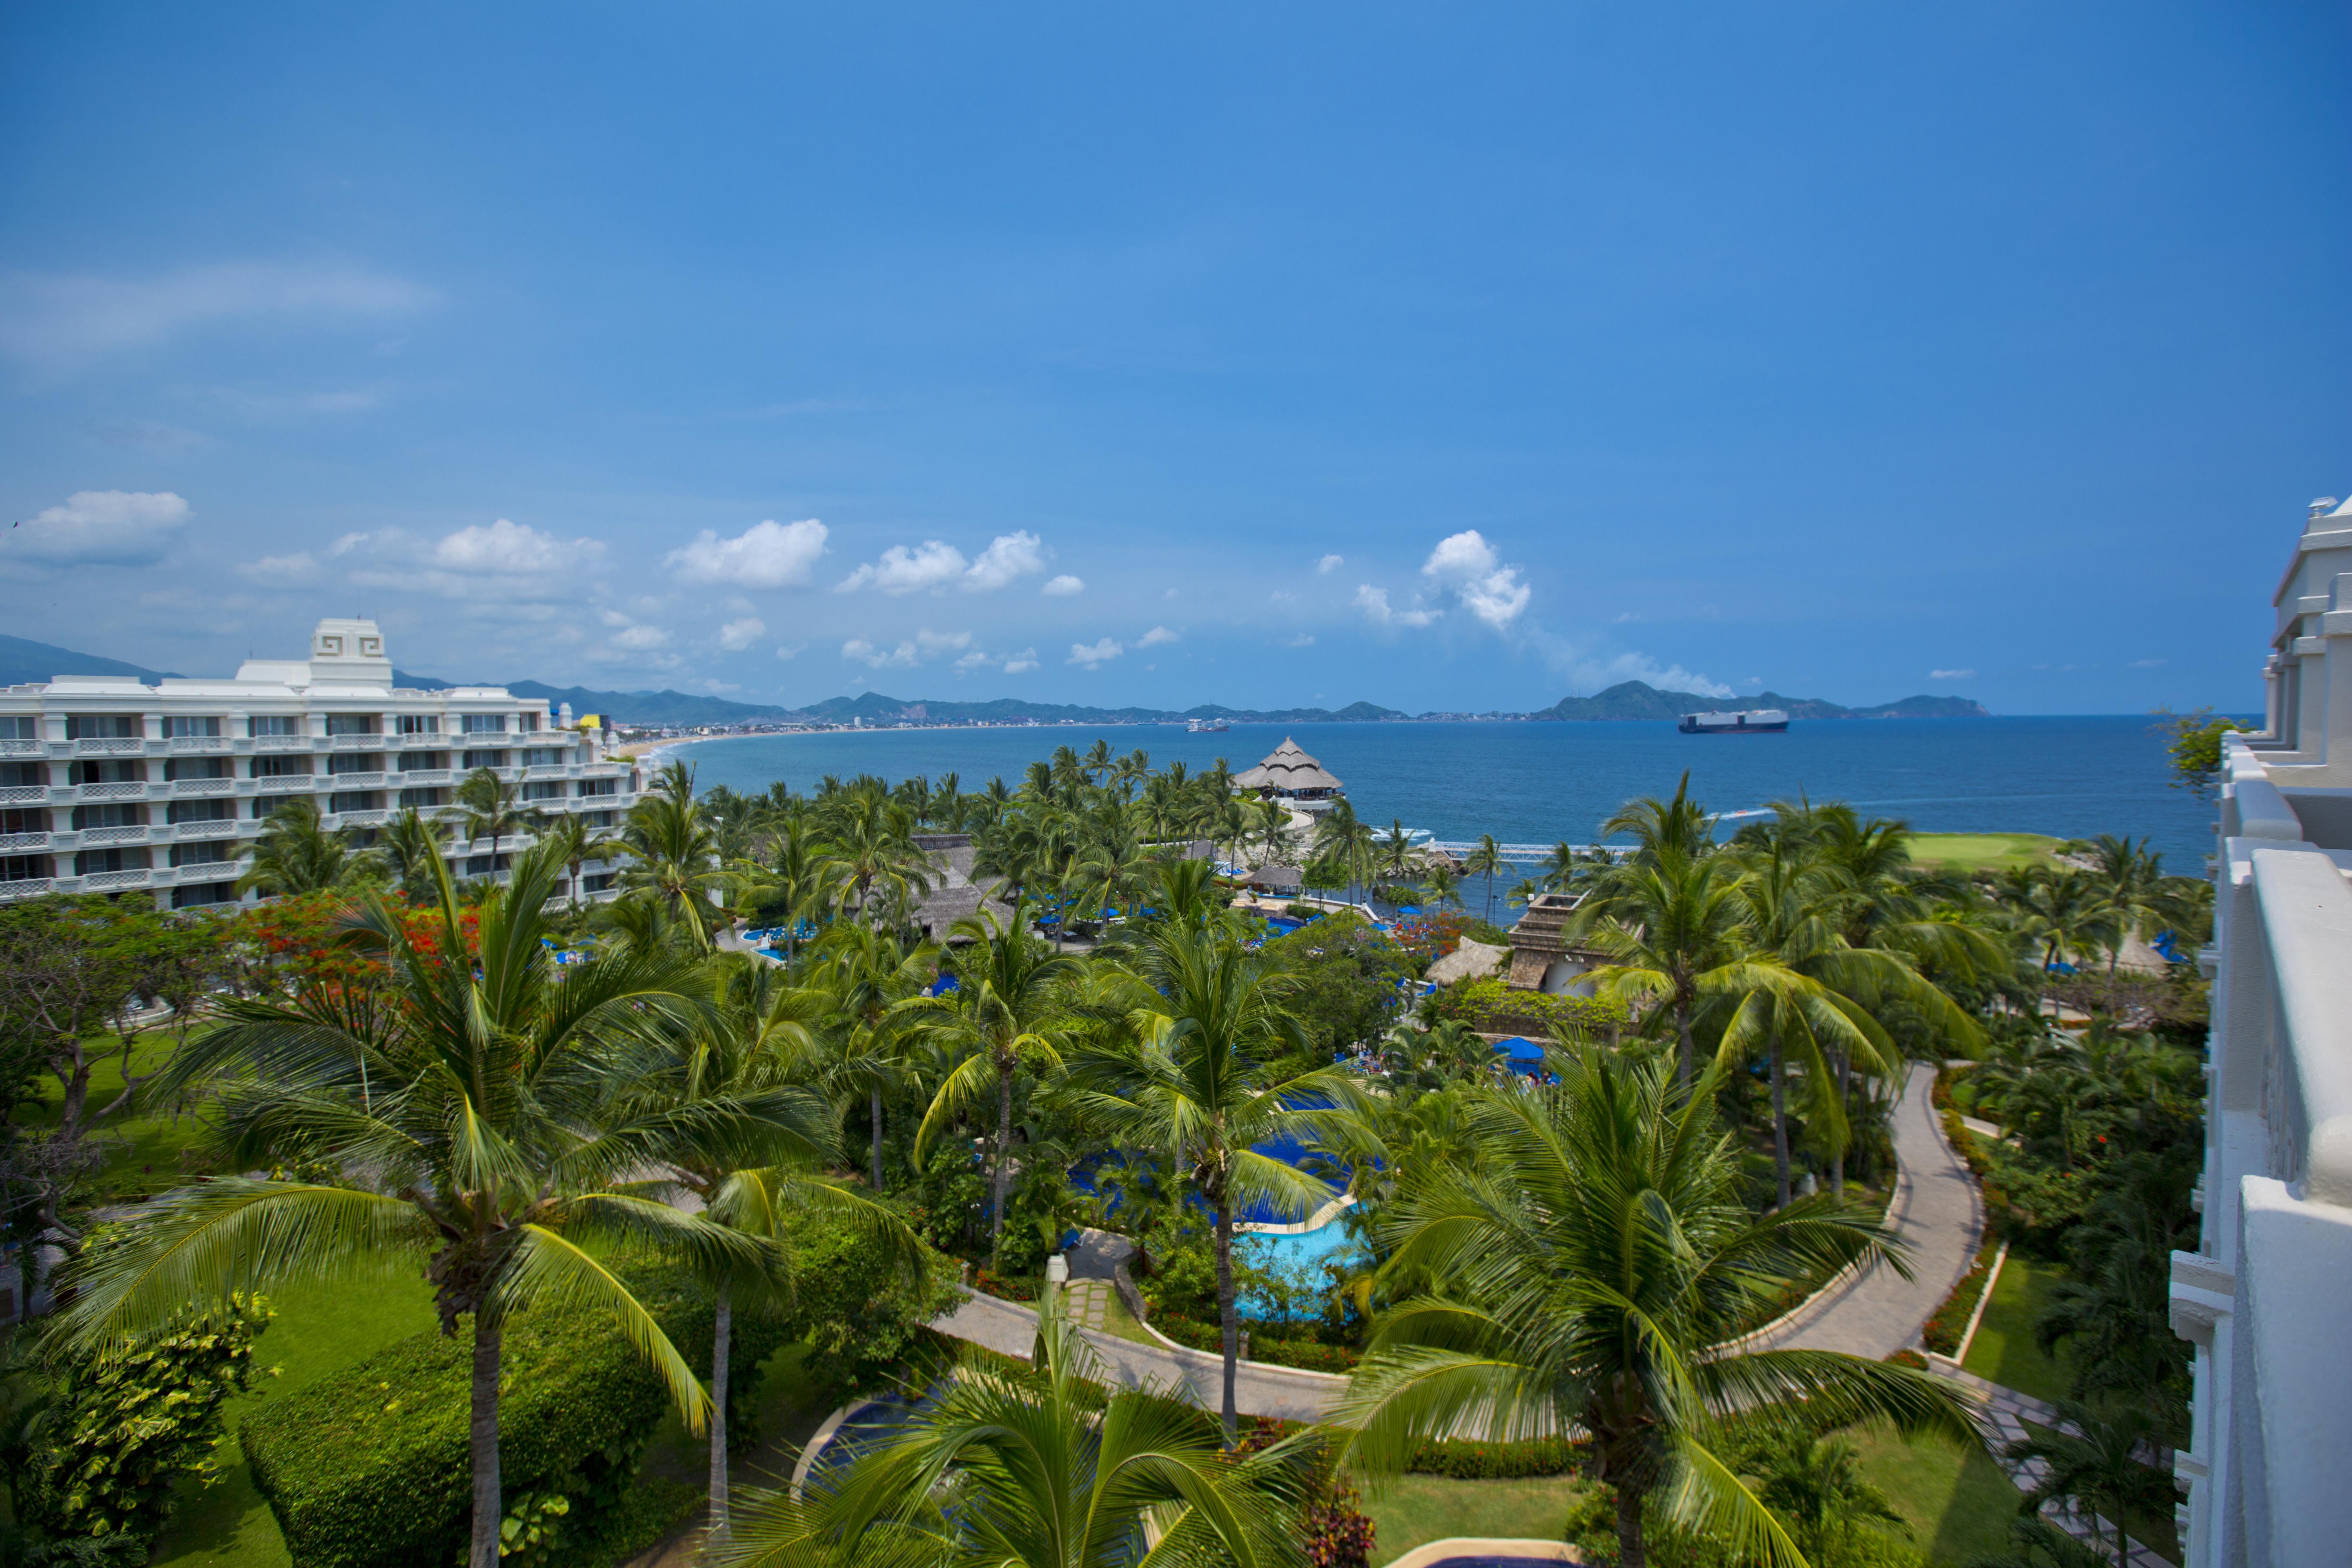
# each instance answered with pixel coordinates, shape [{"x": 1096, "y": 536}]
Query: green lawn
[
  {"x": 2004, "y": 1349},
  {"x": 318, "y": 1329},
  {"x": 1982, "y": 851},
  {"x": 142, "y": 1154},
  {"x": 1411, "y": 1510}
]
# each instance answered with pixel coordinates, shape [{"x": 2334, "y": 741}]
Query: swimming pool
[{"x": 1298, "y": 1255}]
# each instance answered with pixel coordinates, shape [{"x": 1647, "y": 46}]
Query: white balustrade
[
  {"x": 135, "y": 833},
  {"x": 423, "y": 776},
  {"x": 203, "y": 786},
  {"x": 17, "y": 748},
  {"x": 356, "y": 819},
  {"x": 110, "y": 746},
  {"x": 103, "y": 882},
  {"x": 188, "y": 746},
  {"x": 355, "y": 781},
  {"x": 124, "y": 789},
  {"x": 27, "y": 888},
  {"x": 355, "y": 743},
  {"x": 21, "y": 841},
  {"x": 23, "y": 794},
  {"x": 225, "y": 827}
]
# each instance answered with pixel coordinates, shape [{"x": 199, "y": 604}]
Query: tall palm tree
[
  {"x": 1221, "y": 1067},
  {"x": 868, "y": 977},
  {"x": 720, "y": 1103},
  {"x": 1051, "y": 1464},
  {"x": 1675, "y": 929},
  {"x": 1001, "y": 1014},
  {"x": 298, "y": 853},
  {"x": 1593, "y": 1273},
  {"x": 1680, "y": 824},
  {"x": 1347, "y": 841},
  {"x": 494, "y": 810},
  {"x": 673, "y": 862},
  {"x": 2094, "y": 1458},
  {"x": 474, "y": 1097},
  {"x": 410, "y": 844},
  {"x": 579, "y": 841},
  {"x": 873, "y": 838},
  {"x": 1485, "y": 859}
]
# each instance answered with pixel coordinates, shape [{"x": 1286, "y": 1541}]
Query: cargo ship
[{"x": 1751, "y": 722}]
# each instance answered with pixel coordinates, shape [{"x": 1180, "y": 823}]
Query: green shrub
[
  {"x": 859, "y": 1318},
  {"x": 1464, "y": 1460},
  {"x": 1491, "y": 1006},
  {"x": 128, "y": 1426}
]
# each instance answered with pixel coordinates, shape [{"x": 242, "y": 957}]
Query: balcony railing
[
  {"x": 225, "y": 827},
  {"x": 375, "y": 818},
  {"x": 134, "y": 833},
  {"x": 277, "y": 743},
  {"x": 111, "y": 746},
  {"x": 423, "y": 776},
  {"x": 188, "y": 746},
  {"x": 356, "y": 742},
  {"x": 101, "y": 881},
  {"x": 435, "y": 740},
  {"x": 27, "y": 887},
  {"x": 123, "y": 789},
  {"x": 184, "y": 787},
  {"x": 12, "y": 747},
  {"x": 23, "y": 794},
  {"x": 355, "y": 781},
  {"x": 20, "y": 841}
]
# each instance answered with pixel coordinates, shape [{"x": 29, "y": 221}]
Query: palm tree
[
  {"x": 410, "y": 844},
  {"x": 579, "y": 842},
  {"x": 1347, "y": 841},
  {"x": 1680, "y": 825},
  {"x": 1485, "y": 859},
  {"x": 872, "y": 838},
  {"x": 1001, "y": 1012},
  {"x": 1221, "y": 1067},
  {"x": 1816, "y": 1483},
  {"x": 1399, "y": 857},
  {"x": 494, "y": 810},
  {"x": 296, "y": 853},
  {"x": 1271, "y": 818},
  {"x": 1674, "y": 929},
  {"x": 479, "y": 1109},
  {"x": 2094, "y": 1461},
  {"x": 717, "y": 1103},
  {"x": 1593, "y": 1273},
  {"x": 867, "y": 978},
  {"x": 1050, "y": 1466},
  {"x": 674, "y": 863},
  {"x": 1442, "y": 884}
]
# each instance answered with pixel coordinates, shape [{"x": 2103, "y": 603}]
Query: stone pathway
[
  {"x": 2006, "y": 1413},
  {"x": 1089, "y": 1302}
]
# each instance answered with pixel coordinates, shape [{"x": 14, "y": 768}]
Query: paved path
[{"x": 1935, "y": 1209}]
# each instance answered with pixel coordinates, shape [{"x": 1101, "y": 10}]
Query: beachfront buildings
[
  {"x": 109, "y": 785},
  {"x": 2267, "y": 1298}
]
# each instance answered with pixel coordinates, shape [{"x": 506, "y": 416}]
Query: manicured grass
[
  {"x": 141, "y": 1154},
  {"x": 1956, "y": 1500},
  {"x": 318, "y": 1329},
  {"x": 1982, "y": 851},
  {"x": 1412, "y": 1510},
  {"x": 2004, "y": 1349}
]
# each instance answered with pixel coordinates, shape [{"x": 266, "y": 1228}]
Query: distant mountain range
[
  {"x": 1639, "y": 699},
  {"x": 21, "y": 661}
]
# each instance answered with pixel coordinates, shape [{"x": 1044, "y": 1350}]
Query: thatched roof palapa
[{"x": 1289, "y": 771}]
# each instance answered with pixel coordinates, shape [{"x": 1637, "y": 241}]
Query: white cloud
[
  {"x": 976, "y": 659},
  {"x": 1063, "y": 586},
  {"x": 1008, "y": 558},
  {"x": 715, "y": 687},
  {"x": 639, "y": 639},
  {"x": 1374, "y": 603},
  {"x": 1094, "y": 656},
  {"x": 929, "y": 565},
  {"x": 1958, "y": 674},
  {"x": 55, "y": 317},
  {"x": 765, "y": 555},
  {"x": 102, "y": 527},
  {"x": 1329, "y": 563},
  {"x": 1466, "y": 564},
  {"x": 1022, "y": 663},
  {"x": 1304, "y": 639},
  {"x": 860, "y": 651},
  {"x": 943, "y": 642},
  {"x": 737, "y": 635},
  {"x": 793, "y": 652},
  {"x": 1155, "y": 637},
  {"x": 512, "y": 549},
  {"x": 2135, "y": 664},
  {"x": 299, "y": 567},
  {"x": 1589, "y": 675}
]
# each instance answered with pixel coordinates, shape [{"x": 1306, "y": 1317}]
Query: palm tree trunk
[
  {"x": 874, "y": 1092},
  {"x": 1630, "y": 1551},
  {"x": 1779, "y": 1121},
  {"x": 1837, "y": 1161},
  {"x": 1004, "y": 1154},
  {"x": 720, "y": 1346},
  {"x": 489, "y": 1509},
  {"x": 1686, "y": 1053},
  {"x": 1227, "y": 1318}
]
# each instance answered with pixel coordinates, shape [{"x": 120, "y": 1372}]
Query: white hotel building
[
  {"x": 2267, "y": 1296},
  {"x": 108, "y": 785}
]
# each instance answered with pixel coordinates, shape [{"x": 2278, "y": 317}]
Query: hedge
[
  {"x": 1943, "y": 1331},
  {"x": 372, "y": 1466},
  {"x": 1492, "y": 1006},
  {"x": 1302, "y": 1355},
  {"x": 1466, "y": 1461}
]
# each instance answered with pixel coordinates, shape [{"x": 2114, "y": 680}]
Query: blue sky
[{"x": 1440, "y": 356}]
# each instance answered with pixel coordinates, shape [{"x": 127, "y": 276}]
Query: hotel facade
[
  {"x": 2267, "y": 1298},
  {"x": 109, "y": 785}
]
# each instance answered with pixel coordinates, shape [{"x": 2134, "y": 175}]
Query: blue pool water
[{"x": 1305, "y": 1250}]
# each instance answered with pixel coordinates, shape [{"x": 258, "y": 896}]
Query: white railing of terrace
[{"x": 2267, "y": 1296}]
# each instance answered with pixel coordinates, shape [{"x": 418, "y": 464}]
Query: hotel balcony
[
  {"x": 126, "y": 789},
  {"x": 197, "y": 745},
  {"x": 19, "y": 843},
  {"x": 356, "y": 742},
  {"x": 110, "y": 746},
  {"x": 358, "y": 781},
  {"x": 418, "y": 778},
  {"x": 182, "y": 789},
  {"x": 12, "y": 747},
  {"x": 24, "y": 794}
]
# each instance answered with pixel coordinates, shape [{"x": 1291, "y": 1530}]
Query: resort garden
[{"x": 399, "y": 1219}]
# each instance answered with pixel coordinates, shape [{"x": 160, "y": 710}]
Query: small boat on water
[{"x": 1747, "y": 721}]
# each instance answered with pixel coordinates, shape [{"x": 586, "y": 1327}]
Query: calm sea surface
[{"x": 1538, "y": 782}]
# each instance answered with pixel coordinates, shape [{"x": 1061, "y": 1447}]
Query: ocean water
[{"x": 1539, "y": 782}]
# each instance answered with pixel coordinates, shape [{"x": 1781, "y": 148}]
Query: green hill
[{"x": 1639, "y": 699}]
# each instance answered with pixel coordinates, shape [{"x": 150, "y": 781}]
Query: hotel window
[
  {"x": 413, "y": 762},
  {"x": 24, "y": 775},
  {"x": 286, "y": 767},
  {"x": 485, "y": 760},
  {"x": 420, "y": 723},
  {"x": 599, "y": 882},
  {"x": 104, "y": 726},
  {"x": 356, "y": 763},
  {"x": 355, "y": 800},
  {"x": 543, "y": 757},
  {"x": 351, "y": 724},
  {"x": 266, "y": 806},
  {"x": 199, "y": 768},
  {"x": 26, "y": 867},
  {"x": 20, "y": 727},
  {"x": 213, "y": 810},
  {"x": 487, "y": 864},
  {"x": 113, "y": 814},
  {"x": 275, "y": 724},
  {"x": 14, "y": 819},
  {"x": 528, "y": 722},
  {"x": 483, "y": 724},
  {"x": 91, "y": 861},
  {"x": 552, "y": 790},
  {"x": 180, "y": 726},
  {"x": 423, "y": 798},
  {"x": 599, "y": 787},
  {"x": 597, "y": 818},
  {"x": 203, "y": 893},
  {"x": 108, "y": 773},
  {"x": 216, "y": 853}
]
